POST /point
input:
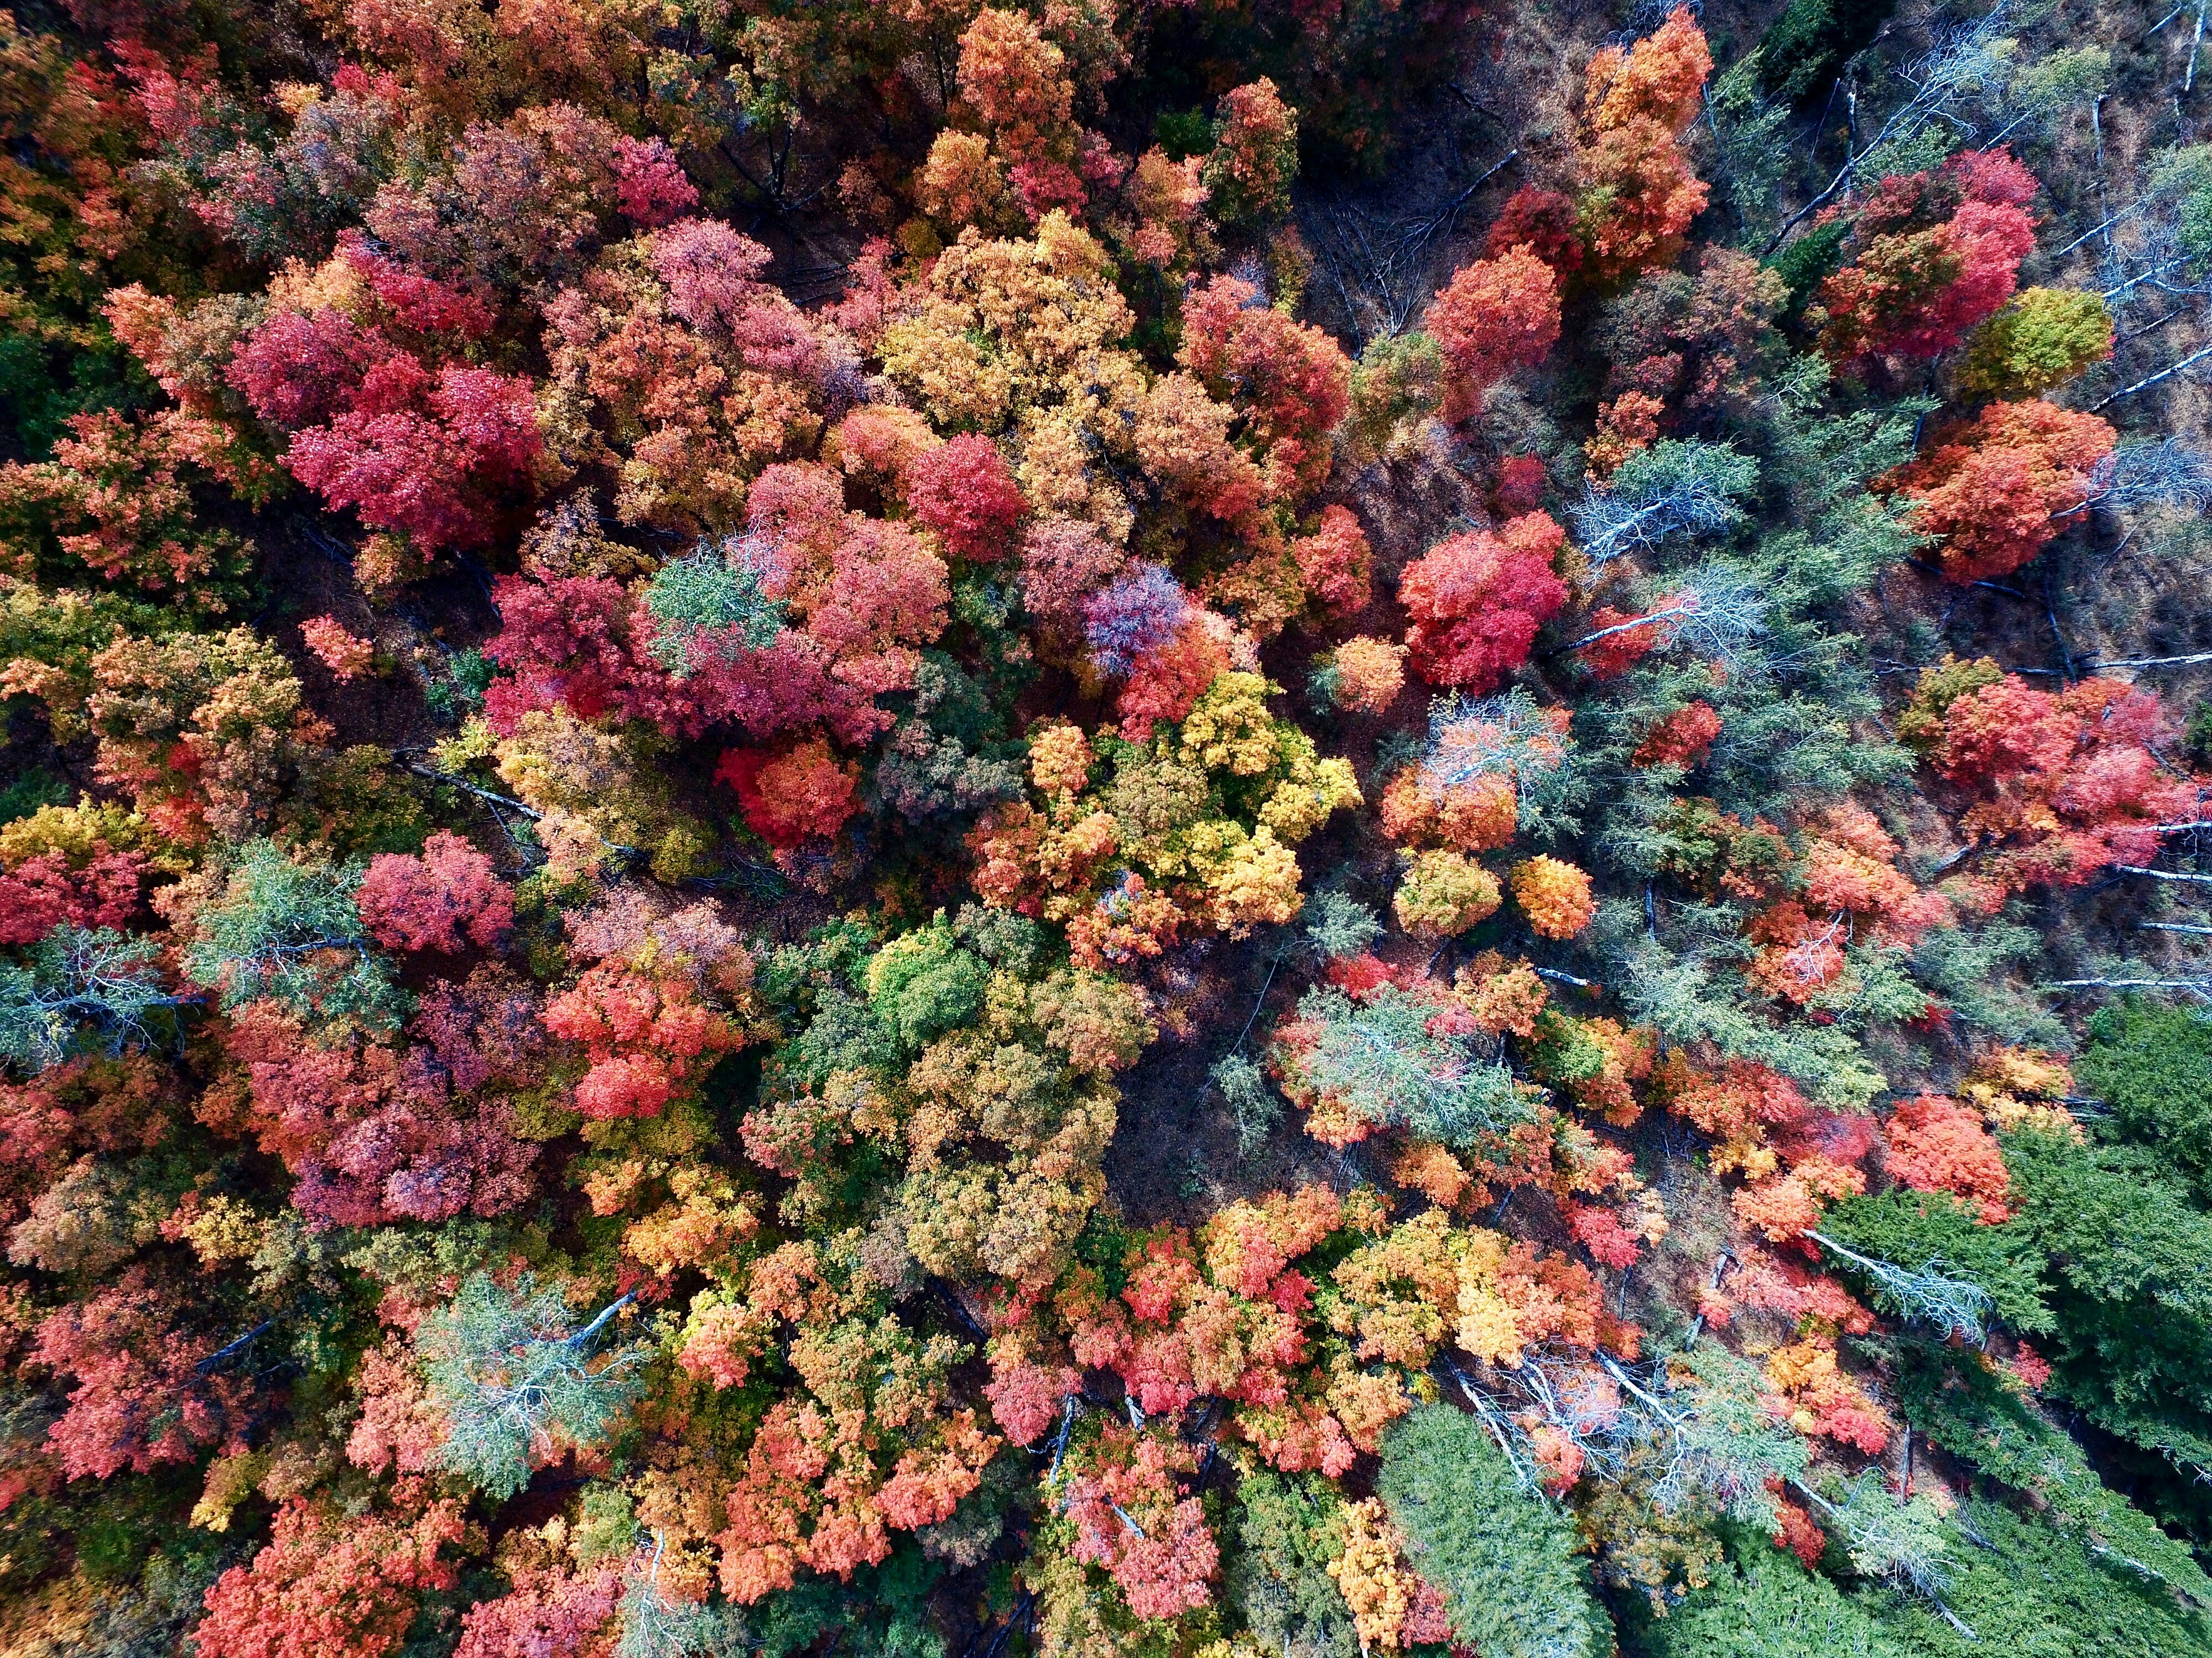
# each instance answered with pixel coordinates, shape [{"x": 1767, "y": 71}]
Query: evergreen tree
[{"x": 1503, "y": 1557}]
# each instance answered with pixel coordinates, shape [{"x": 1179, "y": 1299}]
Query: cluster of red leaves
[
  {"x": 2066, "y": 783},
  {"x": 446, "y": 899},
  {"x": 1823, "y": 1398},
  {"x": 1934, "y": 1145},
  {"x": 83, "y": 1105},
  {"x": 1494, "y": 316},
  {"x": 1225, "y": 1320},
  {"x": 646, "y": 1033},
  {"x": 1335, "y": 563},
  {"x": 1998, "y": 488},
  {"x": 1681, "y": 739},
  {"x": 373, "y": 1134},
  {"x": 375, "y": 429},
  {"x": 584, "y": 643},
  {"x": 46, "y": 889},
  {"x": 962, "y": 490},
  {"x": 1847, "y": 889},
  {"x": 1132, "y": 1517},
  {"x": 1291, "y": 383},
  {"x": 867, "y": 592},
  {"x": 790, "y": 798},
  {"x": 548, "y": 1613},
  {"x": 326, "y": 1583},
  {"x": 1936, "y": 254},
  {"x": 1477, "y": 600},
  {"x": 143, "y": 1393}
]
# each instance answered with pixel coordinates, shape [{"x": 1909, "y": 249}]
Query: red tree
[
  {"x": 1335, "y": 563},
  {"x": 549, "y": 1613},
  {"x": 2063, "y": 784},
  {"x": 1639, "y": 194},
  {"x": 1477, "y": 600},
  {"x": 1935, "y": 1144},
  {"x": 962, "y": 490},
  {"x": 1165, "y": 1562},
  {"x": 790, "y": 798},
  {"x": 1291, "y": 383},
  {"x": 374, "y": 1135},
  {"x": 1495, "y": 315},
  {"x": 329, "y": 1584},
  {"x": 647, "y": 1035},
  {"x": 1937, "y": 254},
  {"x": 446, "y": 899},
  {"x": 144, "y": 1393},
  {"x": 1998, "y": 488}
]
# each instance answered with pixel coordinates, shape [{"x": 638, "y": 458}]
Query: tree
[
  {"x": 83, "y": 992},
  {"x": 1139, "y": 613},
  {"x": 516, "y": 1382},
  {"x": 962, "y": 490},
  {"x": 1444, "y": 893},
  {"x": 431, "y": 473},
  {"x": 1286, "y": 1534},
  {"x": 1362, "y": 675},
  {"x": 288, "y": 931},
  {"x": 791, "y": 797},
  {"x": 1291, "y": 382},
  {"x": 645, "y": 1032},
  {"x": 1017, "y": 81},
  {"x": 549, "y": 1613},
  {"x": 1555, "y": 896},
  {"x": 1335, "y": 563},
  {"x": 2064, "y": 784},
  {"x": 1504, "y": 1560},
  {"x": 2125, "y": 1249},
  {"x": 328, "y": 1583},
  {"x": 446, "y": 899},
  {"x": 1386, "y": 1060},
  {"x": 347, "y": 658},
  {"x": 1494, "y": 316},
  {"x": 2000, "y": 488},
  {"x": 1639, "y": 194},
  {"x": 147, "y": 1389},
  {"x": 2043, "y": 337},
  {"x": 1131, "y": 1518},
  {"x": 1935, "y": 1146},
  {"x": 713, "y": 605},
  {"x": 1681, "y": 738},
  {"x": 1921, "y": 280},
  {"x": 1476, "y": 600},
  {"x": 1932, "y": 1256},
  {"x": 1254, "y": 159},
  {"x": 2152, "y": 1066},
  {"x": 373, "y": 1135}
]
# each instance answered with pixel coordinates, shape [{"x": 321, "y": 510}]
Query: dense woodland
[{"x": 1211, "y": 829}]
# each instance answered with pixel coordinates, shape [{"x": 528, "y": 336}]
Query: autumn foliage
[{"x": 1476, "y": 600}]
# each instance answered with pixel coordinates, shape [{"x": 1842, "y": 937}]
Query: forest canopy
[{"x": 1190, "y": 830}]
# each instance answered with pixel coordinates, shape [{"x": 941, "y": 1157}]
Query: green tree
[
  {"x": 1288, "y": 1528},
  {"x": 2044, "y": 336},
  {"x": 2130, "y": 1287},
  {"x": 1764, "y": 1604},
  {"x": 1503, "y": 1557},
  {"x": 2153, "y": 1066},
  {"x": 514, "y": 1379},
  {"x": 1920, "y": 1253},
  {"x": 288, "y": 930},
  {"x": 82, "y": 991}
]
